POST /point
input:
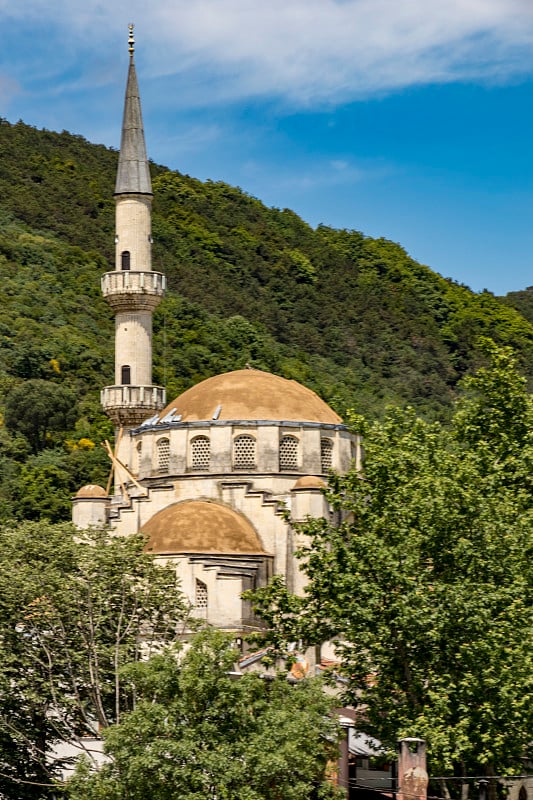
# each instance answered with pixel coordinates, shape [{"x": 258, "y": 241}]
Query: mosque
[{"x": 207, "y": 476}]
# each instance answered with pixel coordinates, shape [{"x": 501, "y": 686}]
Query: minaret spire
[
  {"x": 133, "y": 174},
  {"x": 133, "y": 290}
]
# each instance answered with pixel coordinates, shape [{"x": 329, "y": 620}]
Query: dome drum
[{"x": 241, "y": 450}]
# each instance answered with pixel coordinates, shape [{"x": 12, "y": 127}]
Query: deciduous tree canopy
[
  {"x": 427, "y": 582},
  {"x": 74, "y": 609},
  {"x": 197, "y": 733}
]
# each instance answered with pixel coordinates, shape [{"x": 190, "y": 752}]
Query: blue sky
[{"x": 407, "y": 119}]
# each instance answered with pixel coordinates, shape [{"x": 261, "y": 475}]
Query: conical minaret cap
[{"x": 133, "y": 174}]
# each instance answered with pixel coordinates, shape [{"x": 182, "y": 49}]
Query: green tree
[
  {"x": 74, "y": 608},
  {"x": 426, "y": 584},
  {"x": 197, "y": 733}
]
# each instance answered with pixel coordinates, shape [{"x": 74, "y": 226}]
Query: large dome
[
  {"x": 201, "y": 526},
  {"x": 250, "y": 394}
]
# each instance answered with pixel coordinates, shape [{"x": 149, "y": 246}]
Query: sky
[{"x": 410, "y": 120}]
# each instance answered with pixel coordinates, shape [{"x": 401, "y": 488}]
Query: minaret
[{"x": 132, "y": 289}]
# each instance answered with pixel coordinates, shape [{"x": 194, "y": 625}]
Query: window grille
[
  {"x": 125, "y": 260},
  {"x": 288, "y": 453},
  {"x": 200, "y": 452},
  {"x": 326, "y": 454},
  {"x": 163, "y": 455},
  {"x": 126, "y": 375},
  {"x": 200, "y": 595},
  {"x": 244, "y": 452}
]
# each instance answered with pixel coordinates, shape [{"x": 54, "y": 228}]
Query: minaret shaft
[
  {"x": 133, "y": 226},
  {"x": 133, "y": 348}
]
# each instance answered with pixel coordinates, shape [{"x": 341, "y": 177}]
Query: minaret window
[
  {"x": 326, "y": 454},
  {"x": 125, "y": 375},
  {"x": 288, "y": 453},
  {"x": 125, "y": 260},
  {"x": 200, "y": 452},
  {"x": 244, "y": 452},
  {"x": 163, "y": 455}
]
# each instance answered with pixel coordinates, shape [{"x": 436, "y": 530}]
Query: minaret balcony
[
  {"x": 133, "y": 291},
  {"x": 131, "y": 405}
]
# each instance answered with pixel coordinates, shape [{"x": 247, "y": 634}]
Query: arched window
[
  {"x": 326, "y": 454},
  {"x": 125, "y": 375},
  {"x": 288, "y": 453},
  {"x": 200, "y": 595},
  {"x": 244, "y": 452},
  {"x": 125, "y": 259},
  {"x": 138, "y": 456},
  {"x": 200, "y": 452},
  {"x": 163, "y": 454}
]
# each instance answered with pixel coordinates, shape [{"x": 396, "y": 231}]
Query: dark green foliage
[
  {"x": 38, "y": 409},
  {"x": 351, "y": 317}
]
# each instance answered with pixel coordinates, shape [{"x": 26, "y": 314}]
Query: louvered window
[
  {"x": 288, "y": 453},
  {"x": 244, "y": 452},
  {"x": 125, "y": 259},
  {"x": 163, "y": 455},
  {"x": 200, "y": 452},
  {"x": 326, "y": 454}
]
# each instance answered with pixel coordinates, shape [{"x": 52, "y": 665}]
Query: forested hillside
[
  {"x": 522, "y": 301},
  {"x": 354, "y": 318}
]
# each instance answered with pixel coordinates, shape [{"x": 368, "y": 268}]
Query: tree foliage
[
  {"x": 426, "y": 583},
  {"x": 74, "y": 608},
  {"x": 38, "y": 409},
  {"x": 197, "y": 733}
]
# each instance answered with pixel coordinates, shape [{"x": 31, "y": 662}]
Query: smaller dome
[
  {"x": 309, "y": 482},
  {"x": 201, "y": 526},
  {"x": 91, "y": 490}
]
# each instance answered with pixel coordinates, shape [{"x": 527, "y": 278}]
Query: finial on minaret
[{"x": 131, "y": 40}]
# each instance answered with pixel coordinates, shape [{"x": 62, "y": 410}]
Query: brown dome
[
  {"x": 91, "y": 490},
  {"x": 200, "y": 526},
  {"x": 309, "y": 482},
  {"x": 249, "y": 394}
]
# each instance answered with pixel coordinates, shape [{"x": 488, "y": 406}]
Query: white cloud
[{"x": 302, "y": 51}]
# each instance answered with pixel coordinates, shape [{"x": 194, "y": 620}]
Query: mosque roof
[
  {"x": 91, "y": 490},
  {"x": 201, "y": 526},
  {"x": 250, "y": 394},
  {"x": 309, "y": 482}
]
